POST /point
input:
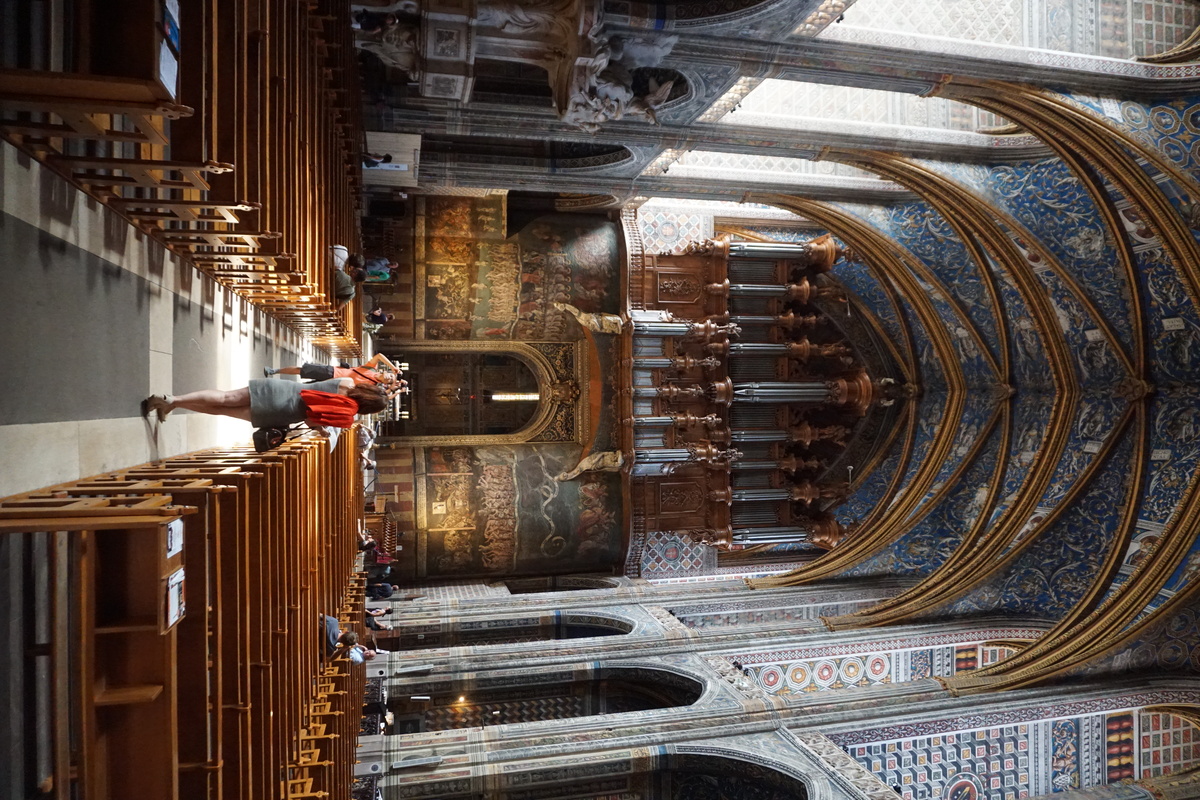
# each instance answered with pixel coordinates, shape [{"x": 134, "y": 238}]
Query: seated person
[
  {"x": 338, "y": 643},
  {"x": 366, "y": 442},
  {"x": 372, "y": 619},
  {"x": 381, "y": 591},
  {"x": 378, "y": 317},
  {"x": 348, "y": 272},
  {"x": 380, "y": 269}
]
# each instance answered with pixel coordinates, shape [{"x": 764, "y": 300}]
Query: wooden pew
[
  {"x": 268, "y": 545},
  {"x": 113, "y": 639}
]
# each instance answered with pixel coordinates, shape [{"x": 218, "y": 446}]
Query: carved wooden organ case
[{"x": 739, "y": 396}]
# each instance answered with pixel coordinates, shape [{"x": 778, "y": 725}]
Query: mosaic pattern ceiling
[
  {"x": 793, "y": 104},
  {"x": 1116, "y": 28},
  {"x": 1056, "y": 450}
]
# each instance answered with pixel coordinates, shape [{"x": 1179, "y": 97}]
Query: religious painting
[
  {"x": 447, "y": 329},
  {"x": 499, "y": 510},
  {"x": 512, "y": 288}
]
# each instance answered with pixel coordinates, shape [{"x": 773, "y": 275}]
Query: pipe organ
[{"x": 740, "y": 394}]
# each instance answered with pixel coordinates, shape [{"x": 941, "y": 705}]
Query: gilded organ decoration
[{"x": 743, "y": 396}]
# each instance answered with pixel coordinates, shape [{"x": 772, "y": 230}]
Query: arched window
[
  {"x": 558, "y": 625},
  {"x": 467, "y": 394},
  {"x": 538, "y": 698}
]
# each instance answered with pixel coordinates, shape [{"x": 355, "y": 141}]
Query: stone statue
[
  {"x": 395, "y": 46},
  {"x": 552, "y": 21},
  {"x": 604, "y": 461},
  {"x": 596, "y": 323},
  {"x": 600, "y": 87}
]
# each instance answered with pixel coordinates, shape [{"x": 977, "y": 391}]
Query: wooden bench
[
  {"x": 257, "y": 162},
  {"x": 236, "y": 696}
]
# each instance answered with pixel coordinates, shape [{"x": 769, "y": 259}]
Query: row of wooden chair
[
  {"x": 252, "y": 174},
  {"x": 384, "y": 530},
  {"x": 235, "y": 698}
]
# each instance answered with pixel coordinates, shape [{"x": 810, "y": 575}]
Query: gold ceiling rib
[
  {"x": 888, "y": 257},
  {"x": 972, "y": 218},
  {"x": 906, "y": 359},
  {"x": 880, "y": 164},
  {"x": 1125, "y": 531},
  {"x": 1073, "y": 643},
  {"x": 1011, "y": 227},
  {"x": 1090, "y": 180}
]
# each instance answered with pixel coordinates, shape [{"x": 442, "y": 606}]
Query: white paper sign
[
  {"x": 174, "y": 537},
  {"x": 175, "y": 601}
]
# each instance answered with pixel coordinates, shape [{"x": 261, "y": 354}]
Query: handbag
[{"x": 269, "y": 438}]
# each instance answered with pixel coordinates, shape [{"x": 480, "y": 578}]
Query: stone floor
[{"x": 97, "y": 316}]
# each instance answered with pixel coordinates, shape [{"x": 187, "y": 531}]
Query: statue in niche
[
  {"x": 604, "y": 461},
  {"x": 553, "y": 21},
  {"x": 599, "y": 86},
  {"x": 394, "y": 44},
  {"x": 596, "y": 323}
]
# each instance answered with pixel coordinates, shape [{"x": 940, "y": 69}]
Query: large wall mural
[
  {"x": 484, "y": 509},
  {"x": 499, "y": 510},
  {"x": 480, "y": 285}
]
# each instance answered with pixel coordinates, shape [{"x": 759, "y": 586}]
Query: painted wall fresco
[
  {"x": 1051, "y": 576},
  {"x": 861, "y": 664},
  {"x": 499, "y": 510},
  {"x": 1023, "y": 752},
  {"x": 479, "y": 285},
  {"x": 931, "y": 541},
  {"x": 927, "y": 235}
]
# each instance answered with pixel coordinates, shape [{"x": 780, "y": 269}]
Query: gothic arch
[
  {"x": 523, "y": 697},
  {"x": 547, "y": 626},
  {"x": 711, "y": 766},
  {"x": 549, "y": 378}
]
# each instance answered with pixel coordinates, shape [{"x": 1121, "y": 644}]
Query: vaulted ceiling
[{"x": 1048, "y": 310}]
